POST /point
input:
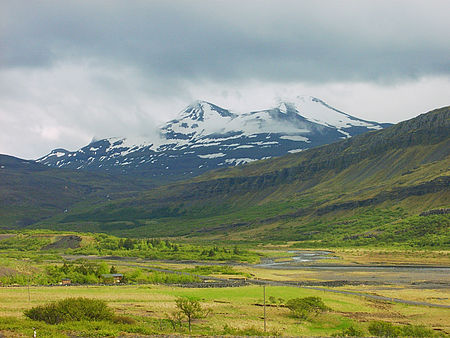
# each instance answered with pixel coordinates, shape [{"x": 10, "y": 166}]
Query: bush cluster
[
  {"x": 71, "y": 309},
  {"x": 305, "y": 308},
  {"x": 384, "y": 329}
]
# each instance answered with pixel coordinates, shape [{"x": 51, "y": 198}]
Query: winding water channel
[{"x": 419, "y": 276}]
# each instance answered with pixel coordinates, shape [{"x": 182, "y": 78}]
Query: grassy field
[
  {"x": 234, "y": 311},
  {"x": 238, "y": 308}
]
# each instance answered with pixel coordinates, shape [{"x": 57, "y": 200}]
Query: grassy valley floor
[{"x": 237, "y": 309}]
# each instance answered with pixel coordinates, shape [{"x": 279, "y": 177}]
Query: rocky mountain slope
[
  {"x": 206, "y": 137},
  {"x": 363, "y": 190}
]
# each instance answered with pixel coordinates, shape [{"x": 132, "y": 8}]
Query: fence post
[{"x": 264, "y": 291}]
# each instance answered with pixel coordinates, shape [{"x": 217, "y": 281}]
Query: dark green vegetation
[
  {"x": 71, "y": 309},
  {"x": 86, "y": 272},
  {"x": 367, "y": 190},
  {"x": 41, "y": 243},
  {"x": 307, "y": 307},
  {"x": 384, "y": 329},
  {"x": 35, "y": 257}
]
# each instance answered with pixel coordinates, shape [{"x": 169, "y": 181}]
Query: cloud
[
  {"x": 230, "y": 40},
  {"x": 71, "y": 70}
]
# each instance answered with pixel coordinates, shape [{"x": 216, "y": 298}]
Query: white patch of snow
[
  {"x": 205, "y": 145},
  {"x": 245, "y": 146},
  {"x": 295, "y": 138},
  {"x": 260, "y": 143},
  {"x": 293, "y": 151},
  {"x": 238, "y": 161},
  {"x": 347, "y": 135},
  {"x": 283, "y": 108},
  {"x": 212, "y": 155}
]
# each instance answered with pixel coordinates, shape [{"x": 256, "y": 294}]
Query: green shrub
[
  {"x": 71, "y": 309},
  {"x": 305, "y": 308},
  {"x": 417, "y": 331},
  {"x": 384, "y": 329}
]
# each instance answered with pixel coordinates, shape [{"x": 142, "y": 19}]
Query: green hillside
[
  {"x": 30, "y": 192},
  {"x": 369, "y": 189}
]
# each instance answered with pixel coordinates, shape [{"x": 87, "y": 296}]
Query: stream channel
[{"x": 315, "y": 266}]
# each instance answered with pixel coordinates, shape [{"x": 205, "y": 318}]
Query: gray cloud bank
[
  {"x": 70, "y": 70},
  {"x": 234, "y": 40}
]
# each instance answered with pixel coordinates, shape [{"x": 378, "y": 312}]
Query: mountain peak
[
  {"x": 318, "y": 111},
  {"x": 285, "y": 105},
  {"x": 200, "y": 110},
  {"x": 198, "y": 104}
]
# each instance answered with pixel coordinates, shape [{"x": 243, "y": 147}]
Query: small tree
[{"x": 190, "y": 308}]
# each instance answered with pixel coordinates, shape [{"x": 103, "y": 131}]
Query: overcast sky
[{"x": 72, "y": 70}]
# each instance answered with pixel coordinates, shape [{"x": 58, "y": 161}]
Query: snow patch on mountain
[
  {"x": 318, "y": 111},
  {"x": 295, "y": 138},
  {"x": 212, "y": 155},
  {"x": 239, "y": 161}
]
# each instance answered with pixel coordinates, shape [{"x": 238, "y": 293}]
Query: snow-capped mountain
[{"x": 205, "y": 137}]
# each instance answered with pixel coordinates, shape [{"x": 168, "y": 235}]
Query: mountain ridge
[{"x": 205, "y": 136}]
